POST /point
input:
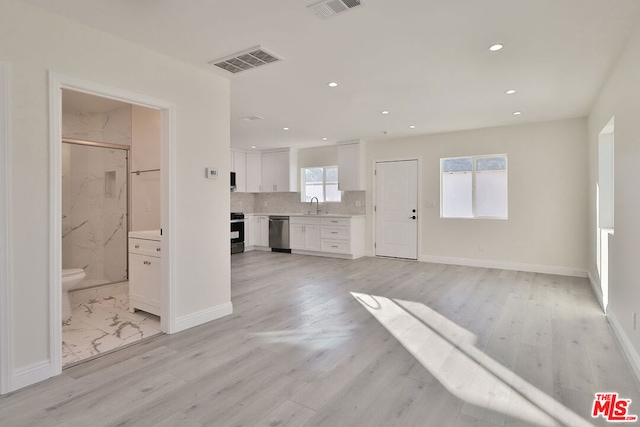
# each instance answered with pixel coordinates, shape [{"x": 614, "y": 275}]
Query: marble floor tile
[{"x": 102, "y": 325}]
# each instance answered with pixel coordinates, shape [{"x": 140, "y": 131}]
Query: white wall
[
  {"x": 547, "y": 196},
  {"x": 620, "y": 98},
  {"x": 35, "y": 42},
  {"x": 146, "y": 138}
]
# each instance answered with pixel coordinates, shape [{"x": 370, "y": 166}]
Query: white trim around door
[
  {"x": 408, "y": 221},
  {"x": 57, "y": 82},
  {"x": 6, "y": 294}
]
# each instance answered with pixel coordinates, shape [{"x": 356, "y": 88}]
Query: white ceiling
[{"x": 426, "y": 61}]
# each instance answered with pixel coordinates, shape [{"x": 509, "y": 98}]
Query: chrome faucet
[{"x": 317, "y": 204}]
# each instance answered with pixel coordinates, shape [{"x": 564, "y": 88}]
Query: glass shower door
[{"x": 94, "y": 212}]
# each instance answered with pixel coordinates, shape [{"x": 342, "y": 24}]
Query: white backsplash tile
[{"x": 290, "y": 203}]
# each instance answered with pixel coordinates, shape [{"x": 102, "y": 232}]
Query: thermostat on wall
[{"x": 211, "y": 173}]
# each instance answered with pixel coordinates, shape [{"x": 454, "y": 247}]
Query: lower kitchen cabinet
[
  {"x": 304, "y": 233},
  {"x": 340, "y": 237},
  {"x": 261, "y": 230}
]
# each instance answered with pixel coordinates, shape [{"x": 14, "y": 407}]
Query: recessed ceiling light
[
  {"x": 324, "y": 138},
  {"x": 412, "y": 127},
  {"x": 384, "y": 112},
  {"x": 510, "y": 92},
  {"x": 332, "y": 84},
  {"x": 285, "y": 128},
  {"x": 254, "y": 147},
  {"x": 496, "y": 47},
  {"x": 517, "y": 113}
]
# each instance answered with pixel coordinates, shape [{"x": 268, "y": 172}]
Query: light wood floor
[{"x": 372, "y": 342}]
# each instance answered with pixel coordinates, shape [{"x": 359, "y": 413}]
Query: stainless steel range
[{"x": 237, "y": 232}]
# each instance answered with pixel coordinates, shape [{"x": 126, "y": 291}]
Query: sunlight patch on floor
[{"x": 449, "y": 353}]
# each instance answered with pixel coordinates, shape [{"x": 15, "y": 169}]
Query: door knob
[
  {"x": 412, "y": 217},
  {"x": 413, "y": 210}
]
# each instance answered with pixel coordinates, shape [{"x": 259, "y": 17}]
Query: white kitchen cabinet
[
  {"x": 253, "y": 172},
  {"x": 145, "y": 274},
  {"x": 261, "y": 231},
  {"x": 249, "y": 231},
  {"x": 279, "y": 171},
  {"x": 334, "y": 236},
  {"x": 304, "y": 233},
  {"x": 351, "y": 166},
  {"x": 238, "y": 165}
]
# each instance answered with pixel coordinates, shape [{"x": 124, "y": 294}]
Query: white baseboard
[
  {"x": 203, "y": 316},
  {"x": 32, "y": 374},
  {"x": 632, "y": 355},
  {"x": 257, "y": 248},
  {"x": 597, "y": 291},
  {"x": 532, "y": 268},
  {"x": 323, "y": 254}
]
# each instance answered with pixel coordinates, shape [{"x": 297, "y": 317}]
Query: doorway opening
[
  {"x": 605, "y": 207},
  {"x": 95, "y": 220},
  {"x": 396, "y": 209},
  {"x": 92, "y": 120}
]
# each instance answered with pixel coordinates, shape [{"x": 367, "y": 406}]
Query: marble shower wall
[
  {"x": 94, "y": 195},
  {"x": 94, "y": 210},
  {"x": 113, "y": 126}
]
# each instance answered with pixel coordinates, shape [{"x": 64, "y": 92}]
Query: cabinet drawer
[
  {"x": 300, "y": 220},
  {"x": 338, "y": 246},
  {"x": 145, "y": 247},
  {"x": 341, "y": 233},
  {"x": 336, "y": 221}
]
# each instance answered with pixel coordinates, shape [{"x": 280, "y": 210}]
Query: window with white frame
[
  {"x": 474, "y": 187},
  {"x": 320, "y": 182}
]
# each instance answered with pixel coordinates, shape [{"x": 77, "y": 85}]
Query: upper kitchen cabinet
[
  {"x": 254, "y": 172},
  {"x": 238, "y": 165},
  {"x": 351, "y": 165},
  {"x": 279, "y": 171}
]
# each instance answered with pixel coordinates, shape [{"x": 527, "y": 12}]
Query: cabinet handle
[
  {"x": 157, "y": 249},
  {"x": 334, "y": 222},
  {"x": 334, "y": 232},
  {"x": 137, "y": 246},
  {"x": 334, "y": 246}
]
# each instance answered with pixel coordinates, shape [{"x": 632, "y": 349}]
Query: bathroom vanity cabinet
[{"x": 145, "y": 277}]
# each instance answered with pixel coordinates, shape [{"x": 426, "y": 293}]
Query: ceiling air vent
[
  {"x": 328, "y": 8},
  {"x": 245, "y": 60}
]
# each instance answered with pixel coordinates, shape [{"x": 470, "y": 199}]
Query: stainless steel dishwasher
[{"x": 279, "y": 234}]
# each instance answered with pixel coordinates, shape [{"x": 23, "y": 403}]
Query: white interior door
[{"x": 396, "y": 209}]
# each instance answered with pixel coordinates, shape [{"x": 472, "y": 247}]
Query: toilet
[{"x": 70, "y": 278}]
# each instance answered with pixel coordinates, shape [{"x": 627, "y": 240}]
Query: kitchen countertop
[{"x": 146, "y": 234}]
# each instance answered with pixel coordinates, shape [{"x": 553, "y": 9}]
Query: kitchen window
[
  {"x": 320, "y": 182},
  {"x": 474, "y": 187}
]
